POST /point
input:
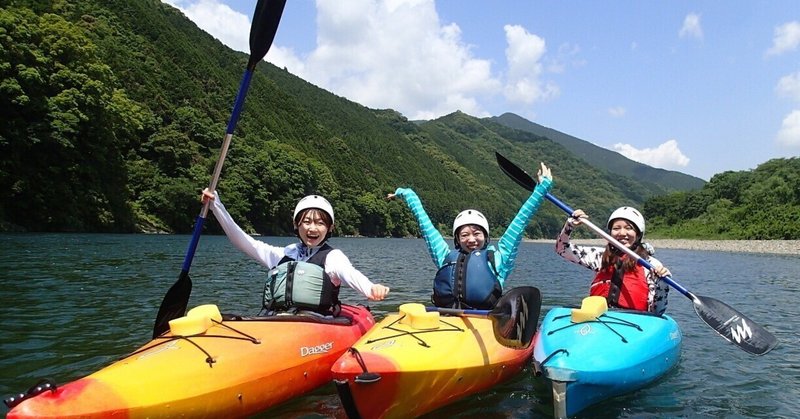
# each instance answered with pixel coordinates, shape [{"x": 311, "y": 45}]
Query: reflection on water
[{"x": 73, "y": 303}]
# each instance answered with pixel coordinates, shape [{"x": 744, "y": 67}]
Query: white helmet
[
  {"x": 630, "y": 214},
  {"x": 313, "y": 201},
  {"x": 470, "y": 216}
]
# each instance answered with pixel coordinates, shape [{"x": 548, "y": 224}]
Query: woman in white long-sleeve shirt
[{"x": 307, "y": 287}]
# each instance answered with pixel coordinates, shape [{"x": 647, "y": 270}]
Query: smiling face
[
  {"x": 471, "y": 237},
  {"x": 313, "y": 226},
  {"x": 624, "y": 231}
]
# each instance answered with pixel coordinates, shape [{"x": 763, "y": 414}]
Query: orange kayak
[
  {"x": 414, "y": 361},
  {"x": 209, "y": 366}
]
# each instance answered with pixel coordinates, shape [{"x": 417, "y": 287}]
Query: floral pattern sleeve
[
  {"x": 658, "y": 290},
  {"x": 587, "y": 256}
]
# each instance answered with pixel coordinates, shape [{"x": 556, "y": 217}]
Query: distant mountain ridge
[{"x": 602, "y": 158}]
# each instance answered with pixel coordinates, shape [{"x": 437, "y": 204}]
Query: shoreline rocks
[{"x": 779, "y": 247}]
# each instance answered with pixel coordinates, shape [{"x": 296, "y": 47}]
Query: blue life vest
[
  {"x": 467, "y": 280},
  {"x": 301, "y": 285}
]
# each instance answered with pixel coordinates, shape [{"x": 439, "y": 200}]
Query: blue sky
[{"x": 700, "y": 87}]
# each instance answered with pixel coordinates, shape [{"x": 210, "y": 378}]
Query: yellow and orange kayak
[
  {"x": 207, "y": 366},
  {"x": 414, "y": 361}
]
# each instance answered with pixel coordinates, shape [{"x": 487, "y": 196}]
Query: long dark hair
[{"x": 611, "y": 255}]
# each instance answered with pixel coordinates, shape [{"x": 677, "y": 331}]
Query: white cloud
[
  {"x": 787, "y": 38},
  {"x": 397, "y": 54},
  {"x": 617, "y": 111},
  {"x": 691, "y": 27},
  {"x": 665, "y": 156},
  {"x": 524, "y": 55},
  {"x": 789, "y": 86},
  {"x": 789, "y": 134},
  {"x": 219, "y": 20},
  {"x": 383, "y": 54},
  {"x": 286, "y": 58}
]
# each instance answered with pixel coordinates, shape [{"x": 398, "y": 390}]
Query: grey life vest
[
  {"x": 467, "y": 280},
  {"x": 302, "y": 285}
]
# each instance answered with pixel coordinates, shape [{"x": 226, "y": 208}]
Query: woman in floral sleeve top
[{"x": 618, "y": 277}]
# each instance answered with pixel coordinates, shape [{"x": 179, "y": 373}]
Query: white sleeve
[
  {"x": 339, "y": 268},
  {"x": 265, "y": 254}
]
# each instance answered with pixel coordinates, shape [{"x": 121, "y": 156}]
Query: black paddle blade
[
  {"x": 516, "y": 316},
  {"x": 174, "y": 303},
  {"x": 515, "y": 172},
  {"x": 262, "y": 32},
  {"x": 734, "y": 326}
]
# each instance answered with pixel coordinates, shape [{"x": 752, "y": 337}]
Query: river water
[{"x": 73, "y": 303}]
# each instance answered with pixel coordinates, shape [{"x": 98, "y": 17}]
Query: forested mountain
[
  {"x": 113, "y": 113},
  {"x": 660, "y": 180}
]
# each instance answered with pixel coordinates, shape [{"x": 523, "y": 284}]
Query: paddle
[
  {"x": 732, "y": 325},
  {"x": 514, "y": 317},
  {"x": 265, "y": 24}
]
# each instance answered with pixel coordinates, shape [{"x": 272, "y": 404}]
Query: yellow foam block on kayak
[
  {"x": 185, "y": 326},
  {"x": 206, "y": 310},
  {"x": 591, "y": 308},
  {"x": 197, "y": 320},
  {"x": 415, "y": 316}
]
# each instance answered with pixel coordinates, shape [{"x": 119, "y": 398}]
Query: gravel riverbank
[{"x": 782, "y": 247}]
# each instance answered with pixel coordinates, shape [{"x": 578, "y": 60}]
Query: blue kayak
[{"x": 593, "y": 353}]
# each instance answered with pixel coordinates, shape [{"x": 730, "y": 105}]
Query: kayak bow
[
  {"x": 414, "y": 361},
  {"x": 210, "y": 366},
  {"x": 591, "y": 354}
]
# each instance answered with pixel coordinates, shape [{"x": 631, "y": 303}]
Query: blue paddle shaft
[
  {"x": 237, "y": 105},
  {"x": 619, "y": 245},
  {"x": 226, "y": 142},
  {"x": 198, "y": 228}
]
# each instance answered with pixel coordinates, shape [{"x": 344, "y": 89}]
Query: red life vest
[{"x": 633, "y": 292}]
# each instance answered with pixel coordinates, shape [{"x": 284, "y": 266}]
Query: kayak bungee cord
[
  {"x": 414, "y": 333},
  {"x": 365, "y": 376},
  {"x": 617, "y": 321},
  {"x": 251, "y": 338},
  {"x": 537, "y": 366},
  {"x": 188, "y": 338}
]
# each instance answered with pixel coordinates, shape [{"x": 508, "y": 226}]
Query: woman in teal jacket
[{"x": 473, "y": 274}]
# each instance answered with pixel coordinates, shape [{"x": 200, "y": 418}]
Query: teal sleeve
[
  {"x": 509, "y": 242},
  {"x": 437, "y": 246}
]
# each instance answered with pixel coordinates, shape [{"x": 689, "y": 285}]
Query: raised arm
[
  {"x": 437, "y": 246},
  {"x": 262, "y": 252},
  {"x": 509, "y": 241}
]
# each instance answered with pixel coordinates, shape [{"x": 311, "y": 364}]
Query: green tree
[{"x": 65, "y": 126}]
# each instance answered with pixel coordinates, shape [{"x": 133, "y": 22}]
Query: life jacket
[
  {"x": 467, "y": 280},
  {"x": 622, "y": 289},
  {"x": 302, "y": 285}
]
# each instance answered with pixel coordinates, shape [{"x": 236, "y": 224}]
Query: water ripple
[{"x": 73, "y": 303}]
